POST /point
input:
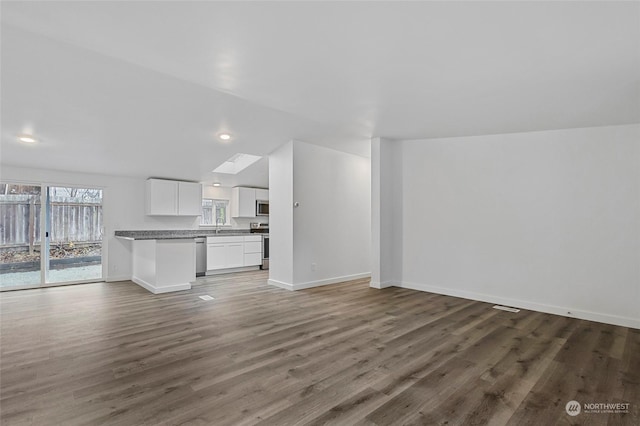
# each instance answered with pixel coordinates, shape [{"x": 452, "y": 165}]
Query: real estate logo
[
  {"x": 573, "y": 408},
  {"x": 606, "y": 407}
]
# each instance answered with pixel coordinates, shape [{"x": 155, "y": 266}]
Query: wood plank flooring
[{"x": 343, "y": 354}]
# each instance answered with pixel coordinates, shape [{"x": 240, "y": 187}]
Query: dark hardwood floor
[{"x": 342, "y": 354}]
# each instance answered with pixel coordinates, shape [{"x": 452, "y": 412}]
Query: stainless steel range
[{"x": 262, "y": 228}]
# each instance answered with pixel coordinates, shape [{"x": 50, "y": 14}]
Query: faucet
[{"x": 217, "y": 225}]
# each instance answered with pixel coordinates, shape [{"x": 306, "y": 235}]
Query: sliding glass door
[
  {"x": 20, "y": 242},
  {"x": 58, "y": 244},
  {"x": 74, "y": 219}
]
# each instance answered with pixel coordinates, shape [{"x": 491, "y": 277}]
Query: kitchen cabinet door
[
  {"x": 216, "y": 256},
  {"x": 252, "y": 259},
  {"x": 173, "y": 198},
  {"x": 235, "y": 255},
  {"x": 189, "y": 199},
  {"x": 253, "y": 247},
  {"x": 161, "y": 197},
  {"x": 243, "y": 202}
]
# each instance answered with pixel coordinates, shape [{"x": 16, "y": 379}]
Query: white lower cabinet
[
  {"x": 253, "y": 250},
  {"x": 216, "y": 256},
  {"x": 253, "y": 247},
  {"x": 235, "y": 255},
  {"x": 253, "y": 259},
  {"x": 233, "y": 252}
]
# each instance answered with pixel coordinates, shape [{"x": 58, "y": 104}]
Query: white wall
[
  {"x": 281, "y": 215},
  {"x": 541, "y": 220},
  {"x": 327, "y": 238},
  {"x": 332, "y": 225},
  {"x": 386, "y": 213},
  {"x": 216, "y": 192}
]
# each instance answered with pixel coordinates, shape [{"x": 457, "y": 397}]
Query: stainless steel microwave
[{"x": 262, "y": 208}]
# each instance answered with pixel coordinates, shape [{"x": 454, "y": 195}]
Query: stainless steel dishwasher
[{"x": 201, "y": 256}]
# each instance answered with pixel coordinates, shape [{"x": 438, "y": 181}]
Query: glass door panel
[
  {"x": 74, "y": 216},
  {"x": 20, "y": 242}
]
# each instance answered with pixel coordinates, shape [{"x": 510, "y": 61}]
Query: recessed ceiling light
[
  {"x": 216, "y": 183},
  {"x": 224, "y": 136},
  {"x": 26, "y": 138}
]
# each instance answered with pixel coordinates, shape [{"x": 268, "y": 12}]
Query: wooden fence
[{"x": 71, "y": 221}]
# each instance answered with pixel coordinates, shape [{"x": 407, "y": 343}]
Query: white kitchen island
[
  {"x": 166, "y": 265},
  {"x": 162, "y": 261}
]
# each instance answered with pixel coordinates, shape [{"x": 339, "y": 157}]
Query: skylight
[{"x": 236, "y": 164}]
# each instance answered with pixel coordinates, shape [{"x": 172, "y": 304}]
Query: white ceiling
[{"x": 142, "y": 88}]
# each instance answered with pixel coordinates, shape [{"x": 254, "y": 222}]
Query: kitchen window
[{"x": 214, "y": 212}]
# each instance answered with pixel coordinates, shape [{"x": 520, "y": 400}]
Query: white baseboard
[
  {"x": 318, "y": 283},
  {"x": 334, "y": 280},
  {"x": 158, "y": 290},
  {"x": 280, "y": 284},
  {"x": 118, "y": 278},
  {"x": 522, "y": 304},
  {"x": 230, "y": 270},
  {"x": 381, "y": 285}
]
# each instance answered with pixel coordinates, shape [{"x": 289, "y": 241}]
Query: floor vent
[
  {"x": 206, "y": 297},
  {"x": 506, "y": 308}
]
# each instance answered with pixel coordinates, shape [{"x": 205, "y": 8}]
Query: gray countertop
[{"x": 179, "y": 234}]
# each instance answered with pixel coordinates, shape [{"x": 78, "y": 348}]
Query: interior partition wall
[{"x": 49, "y": 235}]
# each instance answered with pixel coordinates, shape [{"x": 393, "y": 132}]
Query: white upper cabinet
[
  {"x": 189, "y": 199},
  {"x": 262, "y": 194},
  {"x": 243, "y": 202},
  {"x": 162, "y": 197},
  {"x": 173, "y": 198}
]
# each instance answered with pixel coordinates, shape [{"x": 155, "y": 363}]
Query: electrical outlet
[{"x": 314, "y": 266}]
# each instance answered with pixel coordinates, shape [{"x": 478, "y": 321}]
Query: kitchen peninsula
[{"x": 165, "y": 261}]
